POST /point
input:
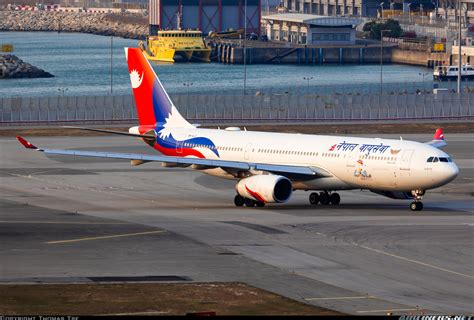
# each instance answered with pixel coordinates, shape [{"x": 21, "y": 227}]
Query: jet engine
[
  {"x": 265, "y": 188},
  {"x": 395, "y": 194}
]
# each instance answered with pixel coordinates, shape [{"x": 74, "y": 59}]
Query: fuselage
[{"x": 354, "y": 163}]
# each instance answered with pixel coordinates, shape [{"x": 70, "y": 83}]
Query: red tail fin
[
  {"x": 154, "y": 106},
  {"x": 438, "y": 134}
]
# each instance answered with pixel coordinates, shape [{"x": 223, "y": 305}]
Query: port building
[
  {"x": 448, "y": 10},
  {"x": 361, "y": 8},
  {"x": 309, "y": 29},
  {"x": 205, "y": 15}
]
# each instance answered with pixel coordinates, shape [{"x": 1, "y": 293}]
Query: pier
[{"x": 232, "y": 52}]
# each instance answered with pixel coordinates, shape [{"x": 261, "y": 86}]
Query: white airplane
[{"x": 270, "y": 166}]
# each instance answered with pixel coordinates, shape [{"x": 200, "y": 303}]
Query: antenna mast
[{"x": 179, "y": 18}]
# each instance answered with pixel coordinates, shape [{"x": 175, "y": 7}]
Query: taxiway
[{"x": 72, "y": 219}]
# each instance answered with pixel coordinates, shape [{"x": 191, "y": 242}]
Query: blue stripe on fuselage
[{"x": 171, "y": 143}]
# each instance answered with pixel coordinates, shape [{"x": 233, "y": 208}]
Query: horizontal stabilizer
[{"x": 144, "y": 136}]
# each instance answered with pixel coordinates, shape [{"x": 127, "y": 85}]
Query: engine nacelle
[
  {"x": 265, "y": 188},
  {"x": 395, "y": 194}
]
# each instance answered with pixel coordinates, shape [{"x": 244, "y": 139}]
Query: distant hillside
[{"x": 3, "y": 3}]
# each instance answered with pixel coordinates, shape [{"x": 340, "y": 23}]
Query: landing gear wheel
[
  {"x": 416, "y": 206},
  {"x": 314, "y": 198},
  {"x": 335, "y": 198},
  {"x": 260, "y": 204},
  {"x": 249, "y": 202},
  {"x": 324, "y": 198},
  {"x": 239, "y": 200}
]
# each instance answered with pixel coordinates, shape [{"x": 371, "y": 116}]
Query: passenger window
[{"x": 430, "y": 159}]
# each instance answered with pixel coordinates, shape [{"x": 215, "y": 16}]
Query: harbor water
[{"x": 85, "y": 64}]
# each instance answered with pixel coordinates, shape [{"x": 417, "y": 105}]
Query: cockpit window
[{"x": 440, "y": 159}]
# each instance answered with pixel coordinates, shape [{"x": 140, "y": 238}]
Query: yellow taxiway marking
[
  {"x": 62, "y": 222},
  {"x": 107, "y": 237},
  {"x": 340, "y": 298},
  {"x": 417, "y": 262},
  {"x": 388, "y": 310}
]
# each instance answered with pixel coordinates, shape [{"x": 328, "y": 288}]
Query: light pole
[
  {"x": 423, "y": 74},
  {"x": 187, "y": 85},
  {"x": 409, "y": 13},
  {"x": 381, "y": 59},
  {"x": 111, "y": 63},
  {"x": 62, "y": 90},
  {"x": 421, "y": 12},
  {"x": 245, "y": 47},
  {"x": 381, "y": 10},
  {"x": 459, "y": 48},
  {"x": 307, "y": 79}
]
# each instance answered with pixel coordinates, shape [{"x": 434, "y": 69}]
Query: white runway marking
[
  {"x": 415, "y": 261},
  {"x": 106, "y": 237},
  {"x": 340, "y": 298},
  {"x": 387, "y": 310},
  {"x": 63, "y": 222}
]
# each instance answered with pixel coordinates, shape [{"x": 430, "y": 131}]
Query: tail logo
[{"x": 136, "y": 79}]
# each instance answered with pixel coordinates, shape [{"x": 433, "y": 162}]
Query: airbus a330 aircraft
[{"x": 270, "y": 166}]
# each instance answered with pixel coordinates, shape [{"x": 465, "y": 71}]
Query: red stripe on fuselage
[{"x": 173, "y": 152}]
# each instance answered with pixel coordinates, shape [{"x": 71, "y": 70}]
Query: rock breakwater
[
  {"x": 13, "y": 67},
  {"x": 119, "y": 25}
]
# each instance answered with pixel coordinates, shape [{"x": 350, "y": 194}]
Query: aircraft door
[
  {"x": 248, "y": 150},
  {"x": 351, "y": 160},
  {"x": 179, "y": 147},
  {"x": 405, "y": 159}
]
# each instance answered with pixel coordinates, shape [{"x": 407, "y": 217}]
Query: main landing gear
[
  {"x": 239, "y": 201},
  {"x": 417, "y": 205},
  {"x": 324, "y": 198}
]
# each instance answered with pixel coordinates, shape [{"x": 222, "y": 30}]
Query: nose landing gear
[
  {"x": 324, "y": 198},
  {"x": 417, "y": 205}
]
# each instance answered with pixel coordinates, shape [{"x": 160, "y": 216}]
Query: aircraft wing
[{"x": 285, "y": 170}]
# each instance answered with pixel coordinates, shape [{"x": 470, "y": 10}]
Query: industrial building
[
  {"x": 448, "y": 10},
  {"x": 205, "y": 15},
  {"x": 362, "y": 8},
  {"x": 311, "y": 29}
]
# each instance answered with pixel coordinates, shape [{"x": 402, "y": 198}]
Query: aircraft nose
[{"x": 450, "y": 172}]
